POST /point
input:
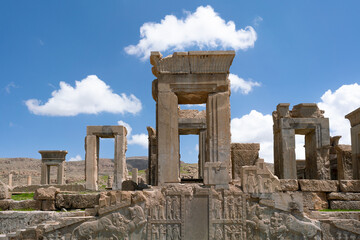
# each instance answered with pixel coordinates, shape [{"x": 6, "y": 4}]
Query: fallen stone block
[
  {"x": 346, "y": 205},
  {"x": 46, "y": 193},
  {"x": 48, "y": 205},
  {"x": 4, "y": 191},
  {"x": 307, "y": 185},
  {"x": 350, "y": 185},
  {"x": 25, "y": 204}
]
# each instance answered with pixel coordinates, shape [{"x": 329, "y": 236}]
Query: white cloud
[
  {"x": 128, "y": 128},
  {"x": 336, "y": 105},
  {"x": 204, "y": 28},
  {"x": 257, "y": 20},
  {"x": 139, "y": 139},
  {"x": 254, "y": 128},
  {"x": 136, "y": 139},
  {"x": 90, "y": 96},
  {"x": 9, "y": 86},
  {"x": 239, "y": 84},
  {"x": 77, "y": 158}
]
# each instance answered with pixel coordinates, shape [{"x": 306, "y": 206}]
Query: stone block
[
  {"x": 4, "y": 191},
  {"x": 5, "y": 204},
  {"x": 46, "y": 193},
  {"x": 289, "y": 201},
  {"x": 315, "y": 200},
  {"x": 216, "y": 173},
  {"x": 129, "y": 185},
  {"x": 25, "y": 204},
  {"x": 307, "y": 185},
  {"x": 346, "y": 205},
  {"x": 77, "y": 201},
  {"x": 48, "y": 205},
  {"x": 243, "y": 154},
  {"x": 289, "y": 185},
  {"x": 350, "y": 185},
  {"x": 343, "y": 196}
]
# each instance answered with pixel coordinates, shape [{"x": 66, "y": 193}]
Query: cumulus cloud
[
  {"x": 76, "y": 158},
  {"x": 254, "y": 128},
  {"x": 204, "y": 29},
  {"x": 239, "y": 84},
  {"x": 89, "y": 96},
  {"x": 136, "y": 139},
  {"x": 336, "y": 105}
]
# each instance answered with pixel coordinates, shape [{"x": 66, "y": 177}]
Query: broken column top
[
  {"x": 302, "y": 110},
  {"x": 192, "y": 62},
  {"x": 106, "y": 131},
  {"x": 354, "y": 117}
]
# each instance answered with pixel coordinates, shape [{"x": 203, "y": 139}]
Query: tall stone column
[
  {"x": 286, "y": 151},
  {"x": 60, "y": 174},
  {"x": 120, "y": 170},
  {"x": 168, "y": 138},
  {"x": 10, "y": 179},
  {"x": 202, "y": 153},
  {"x": 91, "y": 159},
  {"x": 43, "y": 174},
  {"x": 354, "y": 118},
  {"x": 29, "y": 180}
]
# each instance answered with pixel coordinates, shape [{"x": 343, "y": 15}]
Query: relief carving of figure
[
  {"x": 176, "y": 208},
  {"x": 176, "y": 232},
  {"x": 238, "y": 204},
  {"x": 217, "y": 209},
  {"x": 154, "y": 232},
  {"x": 307, "y": 229},
  {"x": 162, "y": 210},
  {"x": 168, "y": 208},
  {"x": 218, "y": 233},
  {"x": 155, "y": 212},
  {"x": 162, "y": 232},
  {"x": 169, "y": 232},
  {"x": 251, "y": 183},
  {"x": 231, "y": 207},
  {"x": 277, "y": 227}
]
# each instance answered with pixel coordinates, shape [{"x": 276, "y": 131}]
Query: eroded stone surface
[
  {"x": 315, "y": 200},
  {"x": 46, "y": 193},
  {"x": 346, "y": 205},
  {"x": 350, "y": 185},
  {"x": 343, "y": 196},
  {"x": 4, "y": 191},
  {"x": 243, "y": 154},
  {"x": 289, "y": 184},
  {"x": 74, "y": 201},
  {"x": 307, "y": 185}
]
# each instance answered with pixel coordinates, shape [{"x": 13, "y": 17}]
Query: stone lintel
[
  {"x": 245, "y": 146},
  {"x": 49, "y": 155},
  {"x": 354, "y": 117},
  {"x": 283, "y": 110},
  {"x": 306, "y": 110},
  {"x": 106, "y": 131},
  {"x": 191, "y": 125}
]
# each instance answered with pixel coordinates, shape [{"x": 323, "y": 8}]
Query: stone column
[
  {"x": 344, "y": 162},
  {"x": 48, "y": 172},
  {"x": 284, "y": 153},
  {"x": 60, "y": 174},
  {"x": 134, "y": 174},
  {"x": 29, "y": 180},
  {"x": 151, "y": 174},
  {"x": 10, "y": 180},
  {"x": 120, "y": 170},
  {"x": 44, "y": 174},
  {"x": 91, "y": 166},
  {"x": 168, "y": 138},
  {"x": 354, "y": 118},
  {"x": 202, "y": 153}
]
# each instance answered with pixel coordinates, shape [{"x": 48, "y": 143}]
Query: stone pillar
[
  {"x": 60, "y": 176},
  {"x": 354, "y": 118},
  {"x": 44, "y": 174},
  {"x": 218, "y": 138},
  {"x": 29, "y": 180},
  {"x": 344, "y": 162},
  {"x": 243, "y": 154},
  {"x": 168, "y": 138},
  {"x": 120, "y": 169},
  {"x": 202, "y": 153},
  {"x": 91, "y": 159},
  {"x": 152, "y": 172},
  {"x": 134, "y": 172},
  {"x": 10, "y": 180},
  {"x": 109, "y": 183},
  {"x": 284, "y": 154}
]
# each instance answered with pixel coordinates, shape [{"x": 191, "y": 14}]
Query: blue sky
[{"x": 305, "y": 51}]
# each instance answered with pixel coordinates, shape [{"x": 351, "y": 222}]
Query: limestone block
[
  {"x": 104, "y": 200},
  {"x": 106, "y": 131},
  {"x": 307, "y": 185},
  {"x": 46, "y": 193},
  {"x": 306, "y": 110},
  {"x": 5, "y": 204},
  {"x": 128, "y": 185},
  {"x": 4, "y": 191},
  {"x": 243, "y": 154},
  {"x": 343, "y": 196},
  {"x": 216, "y": 173},
  {"x": 289, "y": 201},
  {"x": 350, "y": 185},
  {"x": 76, "y": 201},
  {"x": 315, "y": 200},
  {"x": 346, "y": 205},
  {"x": 48, "y": 205},
  {"x": 289, "y": 185}
]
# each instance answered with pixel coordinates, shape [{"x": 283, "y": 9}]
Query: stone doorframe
[
  {"x": 93, "y": 133},
  {"x": 196, "y": 77},
  {"x": 354, "y": 118},
  {"x": 51, "y": 158},
  {"x": 304, "y": 119}
]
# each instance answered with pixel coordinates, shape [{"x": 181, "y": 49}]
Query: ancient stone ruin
[
  {"x": 52, "y": 159},
  {"x": 235, "y": 196}
]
